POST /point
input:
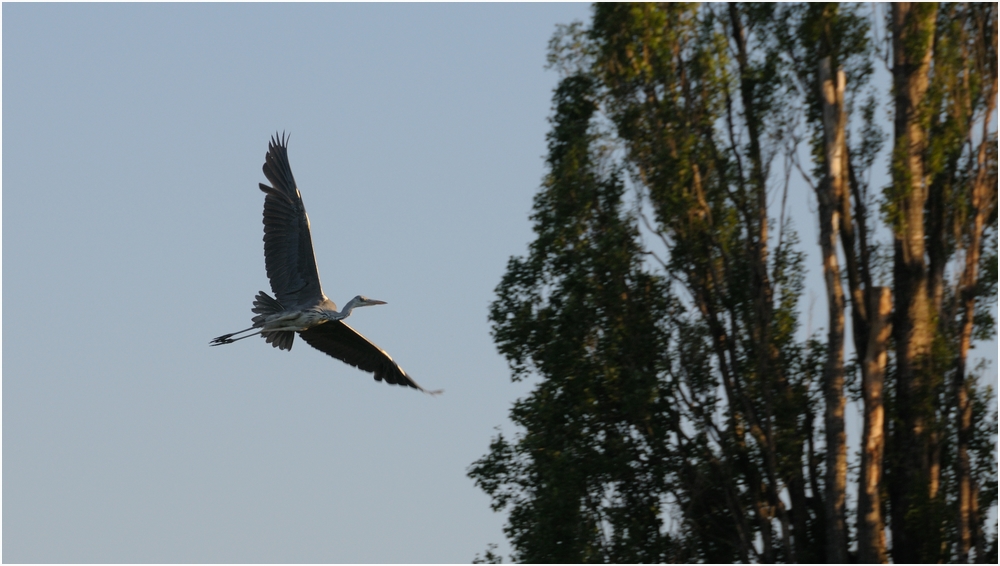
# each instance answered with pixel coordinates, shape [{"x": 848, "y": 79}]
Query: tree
[
  {"x": 942, "y": 193},
  {"x": 584, "y": 481},
  {"x": 676, "y": 416},
  {"x": 829, "y": 53}
]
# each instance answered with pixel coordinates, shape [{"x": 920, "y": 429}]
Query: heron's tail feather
[{"x": 264, "y": 306}]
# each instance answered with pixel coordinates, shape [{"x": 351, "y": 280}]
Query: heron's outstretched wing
[
  {"x": 348, "y": 345},
  {"x": 288, "y": 250}
]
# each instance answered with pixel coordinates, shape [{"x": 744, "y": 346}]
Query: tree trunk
[
  {"x": 913, "y": 539},
  {"x": 871, "y": 525},
  {"x": 830, "y": 195},
  {"x": 755, "y": 209},
  {"x": 984, "y": 196}
]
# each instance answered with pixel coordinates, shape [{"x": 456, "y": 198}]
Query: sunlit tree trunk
[
  {"x": 984, "y": 197},
  {"x": 911, "y": 486},
  {"x": 830, "y": 196},
  {"x": 982, "y": 27},
  {"x": 871, "y": 524}
]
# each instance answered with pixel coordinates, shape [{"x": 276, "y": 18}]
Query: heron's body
[
  {"x": 299, "y": 304},
  {"x": 297, "y": 321}
]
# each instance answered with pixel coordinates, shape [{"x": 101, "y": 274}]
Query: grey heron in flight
[{"x": 299, "y": 304}]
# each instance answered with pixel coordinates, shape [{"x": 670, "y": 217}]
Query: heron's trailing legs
[
  {"x": 228, "y": 338},
  {"x": 266, "y": 332}
]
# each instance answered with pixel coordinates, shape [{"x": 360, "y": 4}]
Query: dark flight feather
[
  {"x": 339, "y": 340},
  {"x": 288, "y": 249}
]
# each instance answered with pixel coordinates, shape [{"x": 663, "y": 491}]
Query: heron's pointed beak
[{"x": 375, "y": 302}]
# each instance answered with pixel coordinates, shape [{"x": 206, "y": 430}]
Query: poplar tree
[{"x": 678, "y": 412}]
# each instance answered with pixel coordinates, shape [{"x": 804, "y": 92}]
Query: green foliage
[
  {"x": 489, "y": 557},
  {"x": 583, "y": 482},
  {"x": 806, "y": 33}
]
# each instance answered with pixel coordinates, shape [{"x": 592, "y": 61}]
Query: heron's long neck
[{"x": 346, "y": 311}]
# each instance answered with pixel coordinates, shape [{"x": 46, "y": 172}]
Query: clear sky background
[{"x": 134, "y": 138}]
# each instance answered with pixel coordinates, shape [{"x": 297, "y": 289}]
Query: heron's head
[{"x": 363, "y": 301}]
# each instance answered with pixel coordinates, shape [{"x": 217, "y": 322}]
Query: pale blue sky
[{"x": 135, "y": 135}]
